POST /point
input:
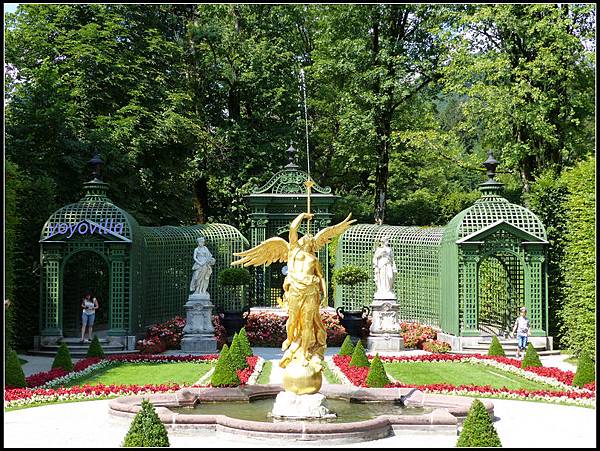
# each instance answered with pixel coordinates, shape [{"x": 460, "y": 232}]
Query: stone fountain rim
[{"x": 448, "y": 410}]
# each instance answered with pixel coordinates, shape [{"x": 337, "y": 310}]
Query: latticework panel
[
  {"x": 167, "y": 259},
  {"x": 416, "y": 253}
]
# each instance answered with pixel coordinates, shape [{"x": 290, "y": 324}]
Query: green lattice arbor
[
  {"x": 273, "y": 207},
  {"x": 141, "y": 275},
  {"x": 469, "y": 277}
]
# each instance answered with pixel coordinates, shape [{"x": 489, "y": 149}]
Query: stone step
[
  {"x": 77, "y": 353},
  {"x": 505, "y": 346},
  {"x": 82, "y": 347}
]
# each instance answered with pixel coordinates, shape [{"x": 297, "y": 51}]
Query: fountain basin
[{"x": 440, "y": 413}]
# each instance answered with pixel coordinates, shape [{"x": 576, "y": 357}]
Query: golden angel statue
[{"x": 304, "y": 291}]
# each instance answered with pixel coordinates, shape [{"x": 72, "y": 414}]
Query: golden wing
[
  {"x": 272, "y": 250},
  {"x": 325, "y": 235}
]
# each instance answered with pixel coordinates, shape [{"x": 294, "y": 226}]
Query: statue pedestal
[
  {"x": 199, "y": 333},
  {"x": 290, "y": 406},
  {"x": 385, "y": 328}
]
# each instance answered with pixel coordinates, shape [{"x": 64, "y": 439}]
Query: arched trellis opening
[
  {"x": 500, "y": 292},
  {"x": 84, "y": 271}
]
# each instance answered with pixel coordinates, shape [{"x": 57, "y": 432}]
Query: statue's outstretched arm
[{"x": 295, "y": 225}]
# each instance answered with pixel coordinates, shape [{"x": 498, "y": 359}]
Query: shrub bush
[
  {"x": 415, "y": 334},
  {"x": 63, "y": 358},
  {"x": 359, "y": 357},
  {"x": 496, "y": 348},
  {"x": 349, "y": 275},
  {"x": 478, "y": 429},
  {"x": 531, "y": 357},
  {"x": 377, "y": 377},
  {"x": 220, "y": 331},
  {"x": 233, "y": 277},
  {"x": 347, "y": 346},
  {"x": 13, "y": 373},
  {"x": 236, "y": 355},
  {"x": 95, "y": 349},
  {"x": 160, "y": 337},
  {"x": 437, "y": 347},
  {"x": 245, "y": 343},
  {"x": 224, "y": 374},
  {"x": 585, "y": 370},
  {"x": 146, "y": 430}
]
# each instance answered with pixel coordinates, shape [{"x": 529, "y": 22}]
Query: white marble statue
[
  {"x": 385, "y": 270},
  {"x": 203, "y": 261}
]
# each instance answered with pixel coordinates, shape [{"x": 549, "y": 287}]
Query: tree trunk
[{"x": 201, "y": 200}]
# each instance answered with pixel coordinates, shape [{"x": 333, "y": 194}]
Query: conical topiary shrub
[
  {"x": 63, "y": 358},
  {"x": 236, "y": 355},
  {"x": 359, "y": 357},
  {"x": 245, "y": 343},
  {"x": 585, "y": 370},
  {"x": 224, "y": 374},
  {"x": 531, "y": 357},
  {"x": 347, "y": 346},
  {"x": 478, "y": 429},
  {"x": 496, "y": 348},
  {"x": 95, "y": 349},
  {"x": 377, "y": 377},
  {"x": 13, "y": 373},
  {"x": 146, "y": 430}
]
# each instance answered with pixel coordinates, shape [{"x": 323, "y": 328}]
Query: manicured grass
[
  {"x": 183, "y": 373},
  {"x": 455, "y": 373},
  {"x": 265, "y": 374},
  {"x": 329, "y": 376}
]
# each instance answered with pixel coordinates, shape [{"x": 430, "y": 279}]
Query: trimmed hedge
[
  {"x": 531, "y": 357},
  {"x": 496, "y": 348},
  {"x": 347, "y": 346},
  {"x": 238, "y": 359},
  {"x": 585, "y": 370},
  {"x": 224, "y": 374},
  {"x": 377, "y": 377},
  {"x": 95, "y": 349},
  {"x": 146, "y": 430},
  {"x": 359, "y": 356},
  {"x": 13, "y": 373},
  {"x": 478, "y": 429},
  {"x": 245, "y": 343},
  {"x": 233, "y": 277},
  {"x": 63, "y": 358}
]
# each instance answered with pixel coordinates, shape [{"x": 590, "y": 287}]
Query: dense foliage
[
  {"x": 236, "y": 354},
  {"x": 347, "y": 346},
  {"x": 63, "y": 358},
  {"x": 13, "y": 373},
  {"x": 349, "y": 275},
  {"x": 496, "y": 348},
  {"x": 224, "y": 374},
  {"x": 191, "y": 105},
  {"x": 359, "y": 356},
  {"x": 245, "y": 343},
  {"x": 478, "y": 430},
  {"x": 234, "y": 277},
  {"x": 146, "y": 430}
]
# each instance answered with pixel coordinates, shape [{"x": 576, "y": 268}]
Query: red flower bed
[
  {"x": 245, "y": 374},
  {"x": 35, "y": 380},
  {"x": 416, "y": 334},
  {"x": 268, "y": 329}
]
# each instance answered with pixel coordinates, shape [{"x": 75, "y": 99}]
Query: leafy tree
[
  {"x": 478, "y": 430},
  {"x": 146, "y": 430},
  {"x": 63, "y": 358},
  {"x": 13, "y": 373}
]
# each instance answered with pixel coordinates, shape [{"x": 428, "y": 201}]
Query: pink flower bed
[{"x": 358, "y": 377}]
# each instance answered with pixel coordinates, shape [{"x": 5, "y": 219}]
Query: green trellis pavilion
[
  {"x": 468, "y": 278},
  {"x": 140, "y": 275}
]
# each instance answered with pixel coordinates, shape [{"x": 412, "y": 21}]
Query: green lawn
[
  {"x": 144, "y": 373},
  {"x": 455, "y": 373}
]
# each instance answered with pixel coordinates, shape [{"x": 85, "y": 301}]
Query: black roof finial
[
  {"x": 96, "y": 163},
  {"x": 291, "y": 157},
  {"x": 490, "y": 186}
]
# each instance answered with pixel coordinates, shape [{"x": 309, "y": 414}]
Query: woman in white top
[{"x": 88, "y": 315}]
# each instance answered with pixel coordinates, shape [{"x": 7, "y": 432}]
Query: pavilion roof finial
[
  {"x": 96, "y": 163},
  {"x": 95, "y": 189},
  {"x": 490, "y": 186},
  {"x": 291, "y": 157}
]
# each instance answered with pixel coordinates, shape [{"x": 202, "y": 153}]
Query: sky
[{"x": 10, "y": 7}]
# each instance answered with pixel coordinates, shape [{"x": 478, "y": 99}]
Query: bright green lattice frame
[{"x": 416, "y": 253}]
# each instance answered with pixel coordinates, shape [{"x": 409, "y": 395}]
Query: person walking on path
[
  {"x": 88, "y": 315},
  {"x": 522, "y": 328}
]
